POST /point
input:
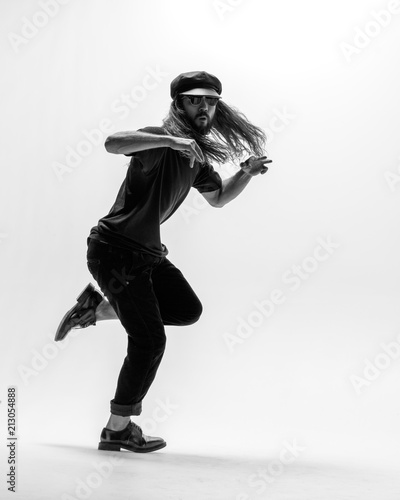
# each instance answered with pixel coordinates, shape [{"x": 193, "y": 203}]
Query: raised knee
[{"x": 194, "y": 315}]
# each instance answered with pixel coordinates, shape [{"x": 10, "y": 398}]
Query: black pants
[{"x": 146, "y": 293}]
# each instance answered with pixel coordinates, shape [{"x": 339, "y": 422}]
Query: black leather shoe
[
  {"x": 131, "y": 438},
  {"x": 82, "y": 314}
]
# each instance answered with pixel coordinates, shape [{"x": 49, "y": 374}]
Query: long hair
[{"x": 231, "y": 135}]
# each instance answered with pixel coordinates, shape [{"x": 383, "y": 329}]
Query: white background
[{"x": 335, "y": 161}]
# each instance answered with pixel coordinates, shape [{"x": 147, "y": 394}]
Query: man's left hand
[{"x": 255, "y": 165}]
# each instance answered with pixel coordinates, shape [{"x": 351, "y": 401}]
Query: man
[{"x": 142, "y": 288}]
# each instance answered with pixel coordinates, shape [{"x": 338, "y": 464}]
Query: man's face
[{"x": 200, "y": 115}]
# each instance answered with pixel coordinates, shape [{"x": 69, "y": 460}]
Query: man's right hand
[{"x": 190, "y": 145}]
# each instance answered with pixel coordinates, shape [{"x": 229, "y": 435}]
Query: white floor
[{"x": 69, "y": 472}]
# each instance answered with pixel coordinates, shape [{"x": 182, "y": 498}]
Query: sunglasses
[{"x": 196, "y": 99}]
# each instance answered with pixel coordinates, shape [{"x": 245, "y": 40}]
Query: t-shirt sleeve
[{"x": 207, "y": 179}]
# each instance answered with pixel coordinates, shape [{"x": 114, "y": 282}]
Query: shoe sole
[
  {"x": 82, "y": 297},
  {"x": 117, "y": 447}
]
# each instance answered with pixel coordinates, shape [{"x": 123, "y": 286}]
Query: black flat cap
[{"x": 196, "y": 83}]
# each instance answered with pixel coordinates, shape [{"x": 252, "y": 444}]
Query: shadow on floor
[{"x": 69, "y": 472}]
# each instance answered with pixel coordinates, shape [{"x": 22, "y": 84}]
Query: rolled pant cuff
[{"x": 125, "y": 410}]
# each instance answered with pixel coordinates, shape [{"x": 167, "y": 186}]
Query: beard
[{"x": 204, "y": 127}]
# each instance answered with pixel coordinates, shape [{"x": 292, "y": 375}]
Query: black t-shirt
[{"x": 157, "y": 182}]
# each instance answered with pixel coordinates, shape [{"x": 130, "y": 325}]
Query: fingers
[
  {"x": 263, "y": 159},
  {"x": 198, "y": 153},
  {"x": 258, "y": 160},
  {"x": 262, "y": 162},
  {"x": 261, "y": 165}
]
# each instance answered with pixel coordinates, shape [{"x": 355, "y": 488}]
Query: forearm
[
  {"x": 232, "y": 187},
  {"x": 131, "y": 142}
]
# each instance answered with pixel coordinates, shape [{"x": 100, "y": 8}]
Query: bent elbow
[
  {"x": 217, "y": 203},
  {"x": 110, "y": 144}
]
